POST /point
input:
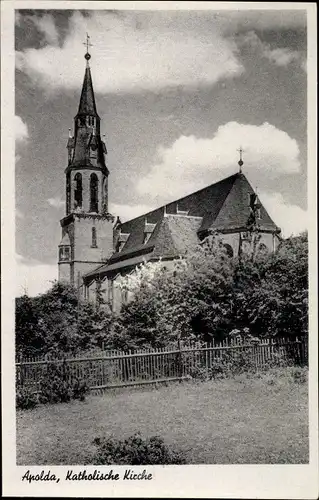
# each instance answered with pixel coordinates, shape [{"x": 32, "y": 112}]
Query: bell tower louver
[{"x": 87, "y": 230}]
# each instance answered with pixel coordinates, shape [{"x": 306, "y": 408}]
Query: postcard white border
[{"x": 191, "y": 481}]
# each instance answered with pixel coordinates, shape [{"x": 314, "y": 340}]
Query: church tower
[{"x": 87, "y": 227}]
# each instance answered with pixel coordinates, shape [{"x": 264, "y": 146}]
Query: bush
[
  {"x": 298, "y": 375},
  {"x": 135, "y": 451},
  {"x": 25, "y": 399},
  {"x": 80, "y": 388},
  {"x": 57, "y": 385},
  {"x": 234, "y": 363}
]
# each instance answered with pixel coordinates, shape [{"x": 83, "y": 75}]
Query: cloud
[
  {"x": 133, "y": 51},
  {"x": 33, "y": 277},
  {"x": 289, "y": 217},
  {"x": 56, "y": 202},
  {"x": 261, "y": 20},
  {"x": 280, "y": 56},
  {"x": 46, "y": 26},
  {"x": 128, "y": 212},
  {"x": 191, "y": 163},
  {"x": 20, "y": 129}
]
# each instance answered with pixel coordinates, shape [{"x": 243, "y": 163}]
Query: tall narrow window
[
  {"x": 229, "y": 250},
  {"x": 94, "y": 186},
  {"x": 94, "y": 240},
  {"x": 104, "y": 195},
  {"x": 64, "y": 253},
  {"x": 78, "y": 191},
  {"x": 68, "y": 192}
]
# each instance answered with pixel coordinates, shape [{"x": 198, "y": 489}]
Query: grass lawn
[{"x": 239, "y": 421}]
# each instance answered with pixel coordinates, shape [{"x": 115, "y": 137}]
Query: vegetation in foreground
[
  {"x": 55, "y": 386},
  {"x": 59, "y": 384},
  {"x": 258, "y": 419},
  {"x": 208, "y": 295},
  {"x": 135, "y": 451}
]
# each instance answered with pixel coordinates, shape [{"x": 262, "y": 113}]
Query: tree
[
  {"x": 56, "y": 321},
  {"x": 28, "y": 337},
  {"x": 207, "y": 294},
  {"x": 271, "y": 294},
  {"x": 188, "y": 301}
]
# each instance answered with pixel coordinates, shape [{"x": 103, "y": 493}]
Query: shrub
[
  {"x": 237, "y": 362},
  {"x": 80, "y": 388},
  {"x": 25, "y": 399},
  {"x": 135, "y": 451},
  {"x": 57, "y": 385},
  {"x": 298, "y": 375},
  {"x": 278, "y": 360}
]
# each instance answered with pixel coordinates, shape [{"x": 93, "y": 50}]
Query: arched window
[
  {"x": 78, "y": 191},
  {"x": 124, "y": 296},
  {"x": 68, "y": 192},
  {"x": 94, "y": 240},
  {"x": 64, "y": 253},
  {"x": 229, "y": 250},
  {"x": 104, "y": 195},
  {"x": 94, "y": 186}
]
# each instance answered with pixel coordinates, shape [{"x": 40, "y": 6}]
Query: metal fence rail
[{"x": 107, "y": 369}]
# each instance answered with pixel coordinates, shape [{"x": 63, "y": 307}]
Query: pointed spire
[
  {"x": 87, "y": 147},
  {"x": 87, "y": 101}
]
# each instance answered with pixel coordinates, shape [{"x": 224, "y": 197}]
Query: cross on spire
[
  {"x": 240, "y": 163},
  {"x": 87, "y": 44}
]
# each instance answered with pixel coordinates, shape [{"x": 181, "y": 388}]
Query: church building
[{"x": 96, "y": 248}]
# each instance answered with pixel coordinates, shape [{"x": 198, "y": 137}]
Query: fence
[{"x": 108, "y": 369}]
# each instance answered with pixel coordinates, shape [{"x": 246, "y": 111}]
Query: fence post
[
  {"x": 180, "y": 359},
  {"x": 298, "y": 351}
]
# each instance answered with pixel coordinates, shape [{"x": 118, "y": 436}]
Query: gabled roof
[
  {"x": 235, "y": 210},
  {"x": 208, "y": 200},
  {"x": 176, "y": 235},
  {"x": 223, "y": 206}
]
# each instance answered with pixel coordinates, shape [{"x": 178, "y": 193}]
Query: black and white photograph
[{"x": 159, "y": 225}]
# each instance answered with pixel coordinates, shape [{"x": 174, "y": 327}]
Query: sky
[{"x": 178, "y": 93}]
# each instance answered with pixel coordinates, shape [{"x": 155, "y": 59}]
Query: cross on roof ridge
[
  {"x": 87, "y": 43},
  {"x": 240, "y": 163}
]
